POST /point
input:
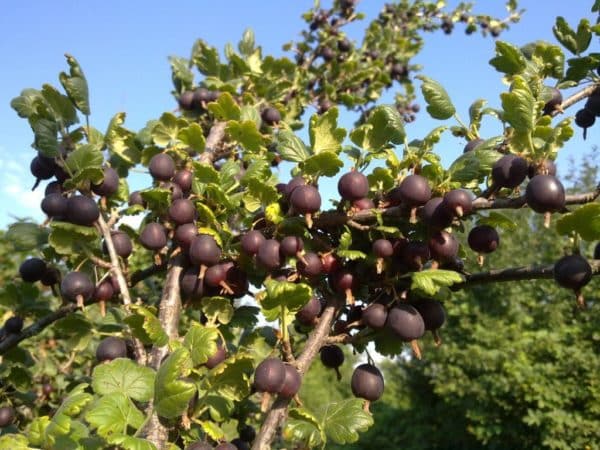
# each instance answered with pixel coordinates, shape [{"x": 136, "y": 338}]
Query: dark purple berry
[
  {"x": 162, "y": 167},
  {"x": 367, "y": 382},
  {"x": 509, "y": 171},
  {"x": 205, "y": 251},
  {"x": 375, "y": 316},
  {"x": 270, "y": 116},
  {"x": 111, "y": 348},
  {"x": 291, "y": 382},
  {"x": 332, "y": 356},
  {"x": 251, "y": 242},
  {"x": 545, "y": 193},
  {"x": 405, "y": 322},
  {"x": 572, "y": 271},
  {"x": 269, "y": 376},
  {"x": 109, "y": 184},
  {"x": 414, "y": 190},
  {"x": 82, "y": 210},
  {"x": 269, "y": 254},
  {"x": 353, "y": 186},
  {"x": 309, "y": 312},
  {"x": 443, "y": 246},
  {"x": 483, "y": 239},
  {"x": 76, "y": 284},
  {"x": 153, "y": 236},
  {"x": 13, "y": 325}
]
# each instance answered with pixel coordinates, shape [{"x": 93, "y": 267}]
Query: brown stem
[
  {"x": 140, "y": 353},
  {"x": 11, "y": 340},
  {"x": 516, "y": 274},
  {"x": 278, "y": 410},
  {"x": 576, "y": 97},
  {"x": 214, "y": 138},
  {"x": 168, "y": 315}
]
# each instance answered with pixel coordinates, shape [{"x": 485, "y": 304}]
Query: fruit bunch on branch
[{"x": 206, "y": 296}]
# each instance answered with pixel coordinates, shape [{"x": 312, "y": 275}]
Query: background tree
[{"x": 182, "y": 359}]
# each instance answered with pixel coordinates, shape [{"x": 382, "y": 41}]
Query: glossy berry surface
[
  {"x": 367, "y": 382},
  {"x": 291, "y": 382},
  {"x": 307, "y": 314},
  {"x": 269, "y": 375},
  {"x": 111, "y": 348},
  {"x": 509, "y": 171},
  {"x": 82, "y": 210},
  {"x": 545, "y": 193},
  {"x": 483, "y": 239},
  {"x": 32, "y": 269},
  {"x": 443, "y": 246},
  {"x": 269, "y": 254},
  {"x": 305, "y": 199},
  {"x": 572, "y": 271},
  {"x": 7, "y": 416},
  {"x": 153, "y": 236},
  {"x": 270, "y": 116},
  {"x": 405, "y": 322},
  {"x": 251, "y": 242},
  {"x": 76, "y": 284},
  {"x": 109, "y": 185},
  {"x": 353, "y": 186},
  {"x": 162, "y": 167},
  {"x": 375, "y": 315},
  {"x": 414, "y": 190},
  {"x": 205, "y": 250}
]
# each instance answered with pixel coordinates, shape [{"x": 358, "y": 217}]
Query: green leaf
[
  {"x": 193, "y": 136},
  {"x": 246, "y": 133},
  {"x": 579, "y": 68},
  {"x": 62, "y": 108},
  {"x": 550, "y": 58},
  {"x": 565, "y": 34},
  {"x": 76, "y": 86},
  {"x": 283, "y": 293},
  {"x": 171, "y": 394},
  {"x": 166, "y": 130},
  {"x": 157, "y": 199},
  {"x": 25, "y": 236},
  {"x": 72, "y": 406},
  {"x": 225, "y": 108},
  {"x": 303, "y": 426},
  {"x": 259, "y": 194},
  {"x": 439, "y": 105},
  {"x": 217, "y": 309},
  {"x": 146, "y": 326},
  {"x": 126, "y": 377},
  {"x": 201, "y": 341},
  {"x": 584, "y": 221},
  {"x": 13, "y": 442},
  {"x": 497, "y": 220},
  {"x": 219, "y": 408},
  {"x": 113, "y": 413},
  {"x": 384, "y": 126},
  {"x": 509, "y": 59},
  {"x": 27, "y": 103},
  {"x": 431, "y": 281},
  {"x": 36, "y": 432},
  {"x": 583, "y": 36},
  {"x": 231, "y": 378},
  {"x": 323, "y": 164},
  {"x": 212, "y": 430},
  {"x": 250, "y": 113},
  {"x": 206, "y": 58},
  {"x": 474, "y": 165},
  {"x": 291, "y": 147},
  {"x": 343, "y": 420},
  {"x": 519, "y": 106},
  {"x": 205, "y": 173},
  {"x": 85, "y": 163},
  {"x": 324, "y": 134},
  {"x": 67, "y": 238},
  {"x": 246, "y": 45},
  {"x": 45, "y": 139},
  {"x": 132, "y": 443},
  {"x": 121, "y": 142},
  {"x": 182, "y": 76}
]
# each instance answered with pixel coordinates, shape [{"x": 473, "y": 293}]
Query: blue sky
[{"x": 123, "y": 49}]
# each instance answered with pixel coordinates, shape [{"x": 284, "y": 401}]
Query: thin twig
[{"x": 11, "y": 340}]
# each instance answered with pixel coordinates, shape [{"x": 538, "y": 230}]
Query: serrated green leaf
[
  {"x": 325, "y": 136},
  {"x": 85, "y": 163},
  {"x": 205, "y": 173},
  {"x": 206, "y": 58},
  {"x": 25, "y": 236},
  {"x": 283, "y": 293},
  {"x": 124, "y": 376},
  {"x": 246, "y": 133},
  {"x": 497, "y": 220},
  {"x": 36, "y": 432},
  {"x": 246, "y": 45},
  {"x": 231, "y": 378},
  {"x": 519, "y": 106},
  {"x": 132, "y": 443},
  {"x": 171, "y": 393},
  {"x": 474, "y": 165},
  {"x": 475, "y": 111},
  {"x": 212, "y": 430},
  {"x": 342, "y": 421},
  {"x": 113, "y": 413},
  {"x": 384, "y": 126},
  {"x": 201, "y": 341},
  {"x": 157, "y": 199},
  {"x": 67, "y": 238},
  {"x": 565, "y": 34},
  {"x": 148, "y": 322},
  {"x": 45, "y": 139},
  {"x": 182, "y": 76},
  {"x": 509, "y": 59},
  {"x": 351, "y": 254},
  {"x": 121, "y": 142},
  {"x": 579, "y": 68},
  {"x": 76, "y": 86},
  {"x": 322, "y": 164},
  {"x": 13, "y": 442},
  {"x": 431, "y": 281},
  {"x": 584, "y": 221},
  {"x": 250, "y": 113},
  {"x": 439, "y": 105},
  {"x": 550, "y": 59},
  {"x": 166, "y": 130},
  {"x": 63, "y": 110},
  {"x": 583, "y": 36},
  {"x": 76, "y": 401},
  {"x": 26, "y": 104},
  {"x": 225, "y": 108},
  {"x": 217, "y": 309},
  {"x": 304, "y": 427},
  {"x": 219, "y": 408},
  {"x": 259, "y": 194},
  {"x": 193, "y": 136},
  {"x": 291, "y": 147}
]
